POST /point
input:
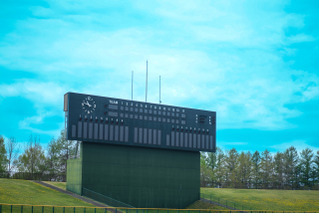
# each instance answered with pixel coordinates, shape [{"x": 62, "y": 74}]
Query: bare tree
[{"x": 11, "y": 145}]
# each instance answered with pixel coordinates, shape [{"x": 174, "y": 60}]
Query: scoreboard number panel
[{"x": 99, "y": 119}]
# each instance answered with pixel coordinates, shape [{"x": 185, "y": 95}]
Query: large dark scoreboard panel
[{"x": 92, "y": 118}]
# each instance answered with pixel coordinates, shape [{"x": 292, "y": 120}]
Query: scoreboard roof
[{"x": 91, "y": 118}]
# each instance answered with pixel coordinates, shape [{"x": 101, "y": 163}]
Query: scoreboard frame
[{"x": 98, "y": 119}]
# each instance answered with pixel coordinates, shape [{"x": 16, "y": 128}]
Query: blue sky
[{"x": 256, "y": 63}]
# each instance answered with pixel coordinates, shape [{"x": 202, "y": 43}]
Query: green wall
[
  {"x": 142, "y": 177},
  {"x": 74, "y": 175}
]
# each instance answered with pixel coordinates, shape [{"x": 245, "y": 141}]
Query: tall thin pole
[
  {"x": 132, "y": 85},
  {"x": 146, "y": 98},
  {"x": 159, "y": 89}
]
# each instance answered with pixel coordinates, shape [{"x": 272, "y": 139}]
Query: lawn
[
  {"x": 257, "y": 199},
  {"x": 27, "y": 192},
  {"x": 204, "y": 205}
]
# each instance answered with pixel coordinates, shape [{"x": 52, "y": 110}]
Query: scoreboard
[{"x": 97, "y": 119}]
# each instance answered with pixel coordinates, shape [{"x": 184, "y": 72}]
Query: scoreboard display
[{"x": 97, "y": 119}]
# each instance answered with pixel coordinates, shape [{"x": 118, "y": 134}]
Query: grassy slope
[
  {"x": 28, "y": 192},
  {"x": 282, "y": 200}
]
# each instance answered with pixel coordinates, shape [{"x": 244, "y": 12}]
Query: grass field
[
  {"x": 276, "y": 200},
  {"x": 204, "y": 205},
  {"x": 27, "y": 192}
]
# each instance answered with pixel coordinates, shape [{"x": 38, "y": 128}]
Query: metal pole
[
  {"x": 159, "y": 89},
  {"x": 146, "y": 98},
  {"x": 132, "y": 85}
]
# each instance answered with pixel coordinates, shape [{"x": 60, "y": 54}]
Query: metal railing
[
  {"x": 18, "y": 208},
  {"x": 224, "y": 203},
  {"x": 104, "y": 199}
]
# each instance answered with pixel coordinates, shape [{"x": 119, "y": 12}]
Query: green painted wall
[
  {"x": 74, "y": 175},
  {"x": 141, "y": 177}
]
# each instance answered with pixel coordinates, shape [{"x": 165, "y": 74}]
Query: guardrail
[
  {"x": 104, "y": 199},
  {"x": 21, "y": 208}
]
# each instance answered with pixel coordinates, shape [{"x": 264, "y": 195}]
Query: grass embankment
[
  {"x": 30, "y": 193},
  {"x": 276, "y": 200}
]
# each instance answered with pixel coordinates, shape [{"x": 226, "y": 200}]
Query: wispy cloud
[{"x": 298, "y": 144}]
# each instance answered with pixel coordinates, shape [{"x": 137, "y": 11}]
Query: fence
[
  {"x": 224, "y": 203},
  {"x": 17, "y": 208},
  {"x": 35, "y": 176}
]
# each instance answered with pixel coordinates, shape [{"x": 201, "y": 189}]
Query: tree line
[
  {"x": 223, "y": 169},
  {"x": 35, "y": 162},
  {"x": 260, "y": 170}
]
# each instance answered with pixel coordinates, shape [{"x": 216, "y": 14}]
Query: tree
[
  {"x": 3, "y": 158},
  {"x": 53, "y": 159},
  {"x": 220, "y": 169},
  {"x": 266, "y": 169},
  {"x": 231, "y": 165},
  {"x": 256, "y": 173},
  {"x": 315, "y": 171},
  {"x": 279, "y": 170},
  {"x": 244, "y": 170},
  {"x": 59, "y": 151},
  {"x": 204, "y": 171},
  {"x": 11, "y": 147},
  {"x": 291, "y": 168},
  {"x": 33, "y": 160},
  {"x": 305, "y": 163},
  {"x": 211, "y": 162}
]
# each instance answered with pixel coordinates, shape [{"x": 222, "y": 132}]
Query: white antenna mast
[
  {"x": 146, "y": 98},
  {"x": 132, "y": 85},
  {"x": 159, "y": 89}
]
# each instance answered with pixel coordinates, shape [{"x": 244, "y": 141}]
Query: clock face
[{"x": 88, "y": 105}]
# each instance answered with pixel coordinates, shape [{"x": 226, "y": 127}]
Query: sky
[{"x": 256, "y": 63}]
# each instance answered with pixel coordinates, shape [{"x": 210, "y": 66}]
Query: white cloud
[
  {"x": 27, "y": 124},
  {"x": 298, "y": 144},
  {"x": 48, "y": 93}
]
